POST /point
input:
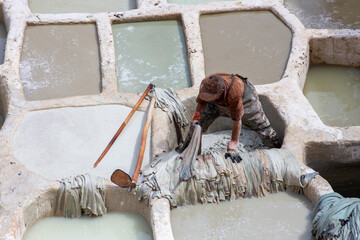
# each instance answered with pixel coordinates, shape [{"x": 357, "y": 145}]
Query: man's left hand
[{"x": 235, "y": 157}]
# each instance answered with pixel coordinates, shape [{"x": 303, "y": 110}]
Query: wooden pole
[
  {"x": 143, "y": 142},
  {"x": 124, "y": 124}
]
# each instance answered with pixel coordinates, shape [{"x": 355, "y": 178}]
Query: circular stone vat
[
  {"x": 276, "y": 216},
  {"x": 243, "y": 42},
  {"x": 334, "y": 93},
  {"x": 63, "y": 142},
  {"x": 126, "y": 215}
]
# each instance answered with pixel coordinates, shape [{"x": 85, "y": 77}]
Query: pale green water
[
  {"x": 334, "y": 93},
  {"x": 3, "y": 35},
  {"x": 112, "y": 226},
  {"x": 281, "y": 216},
  {"x": 80, "y": 6},
  {"x": 197, "y": 1},
  {"x": 326, "y": 13},
  {"x": 60, "y": 61},
  {"x": 150, "y": 52},
  {"x": 253, "y": 44}
]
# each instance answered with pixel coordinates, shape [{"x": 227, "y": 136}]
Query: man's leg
[{"x": 254, "y": 117}]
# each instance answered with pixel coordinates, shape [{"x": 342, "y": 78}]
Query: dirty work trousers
[{"x": 254, "y": 116}]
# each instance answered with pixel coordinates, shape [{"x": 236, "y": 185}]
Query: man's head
[{"x": 211, "y": 88}]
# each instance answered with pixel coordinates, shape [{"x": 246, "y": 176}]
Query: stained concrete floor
[{"x": 27, "y": 195}]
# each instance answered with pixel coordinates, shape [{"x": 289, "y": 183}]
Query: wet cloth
[
  {"x": 217, "y": 179},
  {"x": 81, "y": 194},
  {"x": 336, "y": 217},
  {"x": 167, "y": 101}
]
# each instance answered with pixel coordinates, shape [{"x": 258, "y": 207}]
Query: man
[{"x": 233, "y": 96}]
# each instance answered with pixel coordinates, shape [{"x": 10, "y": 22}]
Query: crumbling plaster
[{"x": 26, "y": 197}]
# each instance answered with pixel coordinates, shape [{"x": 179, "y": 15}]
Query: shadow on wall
[
  {"x": 338, "y": 163},
  {"x": 3, "y": 102},
  {"x": 335, "y": 50}
]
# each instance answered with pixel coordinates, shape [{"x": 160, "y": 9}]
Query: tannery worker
[{"x": 233, "y": 96}]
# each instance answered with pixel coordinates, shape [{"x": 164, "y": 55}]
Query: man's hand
[
  {"x": 235, "y": 157},
  {"x": 231, "y": 152}
]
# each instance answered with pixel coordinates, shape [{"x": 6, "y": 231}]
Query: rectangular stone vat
[
  {"x": 114, "y": 225},
  {"x": 150, "y": 52},
  {"x": 334, "y": 93},
  {"x": 60, "y": 61},
  {"x": 276, "y": 216},
  {"x": 80, "y": 6},
  {"x": 254, "y": 44},
  {"x": 339, "y": 164},
  {"x": 326, "y": 14},
  {"x": 3, "y": 35}
]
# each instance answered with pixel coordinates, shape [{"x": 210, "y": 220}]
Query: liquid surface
[
  {"x": 3, "y": 35},
  {"x": 80, "y": 6},
  {"x": 60, "y": 61},
  {"x": 197, "y": 1},
  {"x": 277, "y": 216},
  {"x": 111, "y": 226},
  {"x": 150, "y": 52},
  {"x": 334, "y": 93},
  {"x": 63, "y": 142},
  {"x": 330, "y": 14},
  {"x": 244, "y": 43}
]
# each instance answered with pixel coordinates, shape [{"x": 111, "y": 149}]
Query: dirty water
[
  {"x": 80, "y": 6},
  {"x": 114, "y": 225},
  {"x": 334, "y": 93},
  {"x": 150, "y": 52},
  {"x": 60, "y": 61},
  {"x": 3, "y": 36},
  {"x": 244, "y": 42},
  {"x": 280, "y": 216},
  {"x": 329, "y": 14}
]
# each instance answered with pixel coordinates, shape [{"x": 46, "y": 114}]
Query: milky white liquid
[
  {"x": 111, "y": 226},
  {"x": 284, "y": 216}
]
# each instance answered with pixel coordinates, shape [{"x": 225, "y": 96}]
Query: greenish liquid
[
  {"x": 281, "y": 216},
  {"x": 80, "y": 6},
  {"x": 253, "y": 44},
  {"x": 111, "y": 226},
  {"x": 150, "y": 52},
  {"x": 3, "y": 35},
  {"x": 334, "y": 93},
  {"x": 325, "y": 13},
  {"x": 197, "y": 1},
  {"x": 60, "y": 61}
]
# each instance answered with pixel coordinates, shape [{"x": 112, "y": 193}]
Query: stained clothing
[
  {"x": 241, "y": 102},
  {"x": 232, "y": 96}
]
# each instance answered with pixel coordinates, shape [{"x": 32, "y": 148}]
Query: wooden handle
[
  {"x": 124, "y": 124},
  {"x": 143, "y": 141}
]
